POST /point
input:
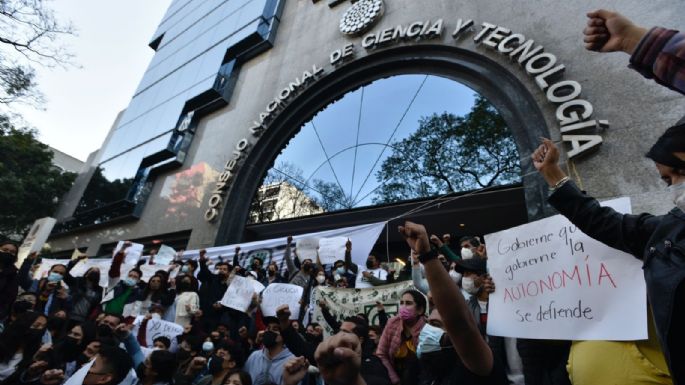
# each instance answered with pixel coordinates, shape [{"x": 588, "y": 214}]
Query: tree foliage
[
  {"x": 29, "y": 32},
  {"x": 31, "y": 185},
  {"x": 450, "y": 153}
]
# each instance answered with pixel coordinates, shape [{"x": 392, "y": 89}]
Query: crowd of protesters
[{"x": 67, "y": 329}]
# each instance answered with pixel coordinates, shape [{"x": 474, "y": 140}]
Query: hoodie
[{"x": 263, "y": 370}]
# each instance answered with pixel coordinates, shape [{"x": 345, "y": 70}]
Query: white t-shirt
[{"x": 363, "y": 282}]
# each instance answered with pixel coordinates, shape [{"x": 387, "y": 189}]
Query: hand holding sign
[
  {"x": 332, "y": 249},
  {"x": 307, "y": 248},
  {"x": 278, "y": 294},
  {"x": 238, "y": 296}
]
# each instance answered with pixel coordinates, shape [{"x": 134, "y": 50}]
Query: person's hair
[
  {"x": 377, "y": 329},
  {"x": 116, "y": 362},
  {"x": 164, "y": 363},
  {"x": 163, "y": 339},
  {"x": 245, "y": 378},
  {"x": 14, "y": 334},
  {"x": 56, "y": 265},
  {"x": 192, "y": 263},
  {"x": 157, "y": 294},
  {"x": 378, "y": 255},
  {"x": 419, "y": 299},
  {"x": 195, "y": 343},
  {"x": 473, "y": 240},
  {"x": 117, "y": 316},
  {"x": 164, "y": 275},
  {"x": 361, "y": 329},
  {"x": 6, "y": 241},
  {"x": 236, "y": 352},
  {"x": 313, "y": 324},
  {"x": 137, "y": 270},
  {"x": 223, "y": 264},
  {"x": 271, "y": 320}
]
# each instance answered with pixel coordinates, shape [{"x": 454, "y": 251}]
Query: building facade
[{"x": 232, "y": 82}]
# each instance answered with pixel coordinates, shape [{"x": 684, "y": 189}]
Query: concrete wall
[{"x": 638, "y": 109}]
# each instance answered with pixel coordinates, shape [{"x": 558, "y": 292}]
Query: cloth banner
[
  {"x": 348, "y": 302},
  {"x": 158, "y": 328},
  {"x": 363, "y": 237},
  {"x": 278, "y": 294},
  {"x": 554, "y": 282},
  {"x": 239, "y": 294}
]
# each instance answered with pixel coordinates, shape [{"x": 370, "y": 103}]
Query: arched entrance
[{"x": 491, "y": 80}]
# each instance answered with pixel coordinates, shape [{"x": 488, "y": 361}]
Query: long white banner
[{"x": 554, "y": 282}]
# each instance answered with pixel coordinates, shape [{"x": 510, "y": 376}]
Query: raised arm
[
  {"x": 25, "y": 280},
  {"x": 204, "y": 275},
  {"x": 459, "y": 323},
  {"x": 349, "y": 266},
  {"x": 416, "y": 276},
  {"x": 292, "y": 270}
]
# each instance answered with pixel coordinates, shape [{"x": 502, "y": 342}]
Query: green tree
[
  {"x": 450, "y": 153},
  {"x": 31, "y": 185},
  {"x": 29, "y": 33}
]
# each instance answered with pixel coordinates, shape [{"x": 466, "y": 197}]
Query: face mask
[
  {"x": 215, "y": 364},
  {"x": 22, "y": 307},
  {"x": 94, "y": 276},
  {"x": 440, "y": 363},
  {"x": 155, "y": 316},
  {"x": 466, "y": 253},
  {"x": 104, "y": 331},
  {"x": 678, "y": 191},
  {"x": 369, "y": 264},
  {"x": 140, "y": 371},
  {"x": 429, "y": 340},
  {"x": 455, "y": 276},
  {"x": 207, "y": 346},
  {"x": 307, "y": 267},
  {"x": 34, "y": 334},
  {"x": 82, "y": 359},
  {"x": 269, "y": 339},
  {"x": 185, "y": 269},
  {"x": 320, "y": 279},
  {"x": 54, "y": 277},
  {"x": 468, "y": 284},
  {"x": 340, "y": 270},
  {"x": 406, "y": 313},
  {"x": 130, "y": 281},
  {"x": 6, "y": 258},
  {"x": 70, "y": 347},
  {"x": 182, "y": 355}
]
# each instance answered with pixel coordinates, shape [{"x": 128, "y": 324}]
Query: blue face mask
[
  {"x": 54, "y": 277},
  {"x": 340, "y": 270},
  {"x": 429, "y": 340},
  {"x": 185, "y": 269},
  {"x": 130, "y": 281}
]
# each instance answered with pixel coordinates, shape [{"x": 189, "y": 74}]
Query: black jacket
[{"x": 659, "y": 241}]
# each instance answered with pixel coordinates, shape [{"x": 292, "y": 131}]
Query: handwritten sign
[
  {"x": 165, "y": 255},
  {"x": 306, "y": 248},
  {"x": 258, "y": 287},
  {"x": 238, "y": 296},
  {"x": 102, "y": 264},
  {"x": 554, "y": 282},
  {"x": 278, "y": 294},
  {"x": 332, "y": 249},
  {"x": 133, "y": 252},
  {"x": 158, "y": 328}
]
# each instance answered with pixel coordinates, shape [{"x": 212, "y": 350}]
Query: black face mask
[
  {"x": 269, "y": 339},
  {"x": 56, "y": 323},
  {"x": 182, "y": 355},
  {"x": 104, "y": 331},
  {"x": 140, "y": 371},
  {"x": 215, "y": 365},
  {"x": 307, "y": 267},
  {"x": 6, "y": 259},
  {"x": 272, "y": 273},
  {"x": 93, "y": 277},
  {"x": 369, "y": 264},
  {"x": 82, "y": 359},
  {"x": 313, "y": 339},
  {"x": 439, "y": 363},
  {"x": 21, "y": 307},
  {"x": 70, "y": 348},
  {"x": 183, "y": 286},
  {"x": 33, "y": 335}
]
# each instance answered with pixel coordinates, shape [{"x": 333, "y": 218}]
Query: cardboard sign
[
  {"x": 554, "y": 282},
  {"x": 331, "y": 250},
  {"x": 307, "y": 248},
  {"x": 158, "y": 328},
  {"x": 278, "y": 294},
  {"x": 238, "y": 296}
]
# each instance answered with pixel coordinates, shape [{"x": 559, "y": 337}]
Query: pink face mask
[{"x": 406, "y": 313}]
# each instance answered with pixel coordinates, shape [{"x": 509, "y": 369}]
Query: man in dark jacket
[
  {"x": 9, "y": 282},
  {"x": 85, "y": 292},
  {"x": 212, "y": 290}
]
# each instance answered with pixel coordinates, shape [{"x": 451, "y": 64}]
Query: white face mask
[
  {"x": 468, "y": 284},
  {"x": 466, "y": 253},
  {"x": 320, "y": 279},
  {"x": 678, "y": 191},
  {"x": 455, "y": 276}
]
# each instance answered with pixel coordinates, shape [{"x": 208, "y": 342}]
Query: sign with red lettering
[{"x": 555, "y": 282}]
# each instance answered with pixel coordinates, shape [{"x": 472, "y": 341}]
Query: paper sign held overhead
[
  {"x": 133, "y": 252},
  {"x": 554, "y": 282},
  {"x": 332, "y": 249},
  {"x": 165, "y": 255},
  {"x": 238, "y": 296},
  {"x": 278, "y": 294},
  {"x": 306, "y": 248}
]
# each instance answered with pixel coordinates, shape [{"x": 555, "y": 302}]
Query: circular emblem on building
[{"x": 361, "y": 16}]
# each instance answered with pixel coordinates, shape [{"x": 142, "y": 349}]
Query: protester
[
  {"x": 266, "y": 365},
  {"x": 121, "y": 295},
  {"x": 397, "y": 345},
  {"x": 52, "y": 295},
  {"x": 373, "y": 274},
  {"x": 187, "y": 300},
  {"x": 85, "y": 291},
  {"x": 238, "y": 377},
  {"x": 18, "y": 343},
  {"x": 212, "y": 290},
  {"x": 9, "y": 281}
]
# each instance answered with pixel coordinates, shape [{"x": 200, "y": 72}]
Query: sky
[{"x": 111, "y": 56}]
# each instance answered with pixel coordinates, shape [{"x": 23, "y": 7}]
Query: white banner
[
  {"x": 349, "y": 302},
  {"x": 238, "y": 296},
  {"x": 332, "y": 249},
  {"x": 363, "y": 238},
  {"x": 554, "y": 282},
  {"x": 158, "y": 328},
  {"x": 278, "y": 294},
  {"x": 101, "y": 263}
]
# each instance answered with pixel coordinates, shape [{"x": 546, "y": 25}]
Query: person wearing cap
[{"x": 658, "y": 54}]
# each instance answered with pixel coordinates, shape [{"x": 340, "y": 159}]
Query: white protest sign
[
  {"x": 80, "y": 375},
  {"x": 149, "y": 270},
  {"x": 258, "y": 287},
  {"x": 35, "y": 239},
  {"x": 306, "y": 248},
  {"x": 332, "y": 249},
  {"x": 238, "y": 296},
  {"x": 103, "y": 264},
  {"x": 157, "y": 328},
  {"x": 165, "y": 255},
  {"x": 554, "y": 282},
  {"x": 133, "y": 252},
  {"x": 278, "y": 294}
]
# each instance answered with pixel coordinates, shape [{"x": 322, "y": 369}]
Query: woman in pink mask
[{"x": 397, "y": 345}]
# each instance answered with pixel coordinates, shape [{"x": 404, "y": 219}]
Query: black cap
[
  {"x": 475, "y": 264},
  {"x": 673, "y": 140},
  {"x": 270, "y": 320}
]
